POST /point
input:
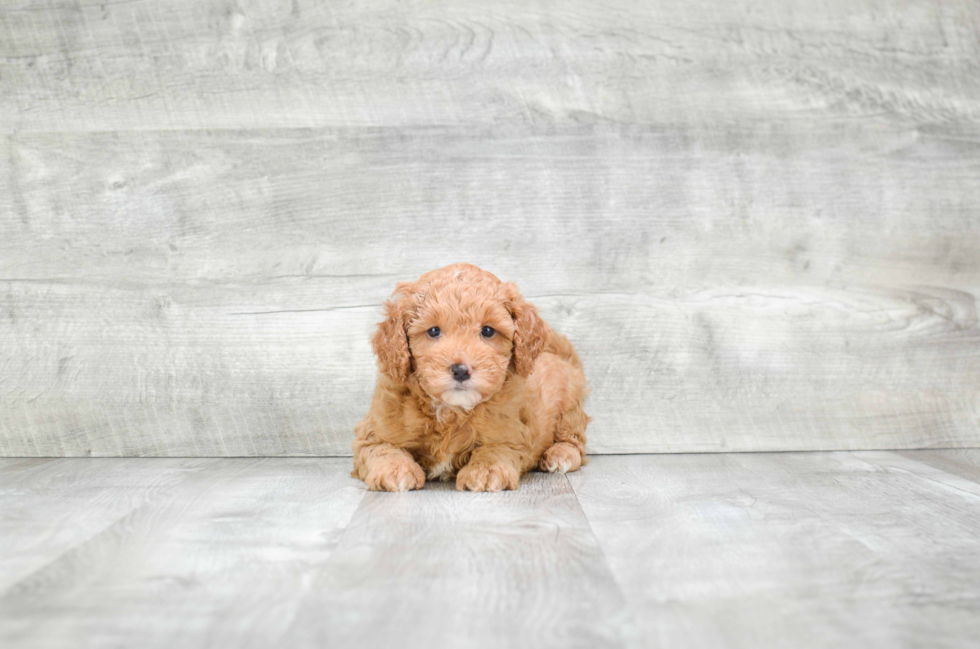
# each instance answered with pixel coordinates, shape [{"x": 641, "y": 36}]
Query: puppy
[{"x": 473, "y": 385}]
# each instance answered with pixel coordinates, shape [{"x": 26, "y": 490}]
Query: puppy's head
[{"x": 459, "y": 330}]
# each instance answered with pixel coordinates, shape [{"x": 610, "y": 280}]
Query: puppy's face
[
  {"x": 459, "y": 330},
  {"x": 461, "y": 343}
]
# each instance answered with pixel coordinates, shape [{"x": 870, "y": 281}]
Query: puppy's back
[{"x": 560, "y": 346}]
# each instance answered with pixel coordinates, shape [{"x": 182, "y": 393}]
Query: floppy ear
[
  {"x": 530, "y": 331},
  {"x": 390, "y": 341}
]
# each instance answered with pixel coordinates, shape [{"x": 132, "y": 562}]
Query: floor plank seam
[
  {"x": 13, "y": 587},
  {"x": 633, "y": 631}
]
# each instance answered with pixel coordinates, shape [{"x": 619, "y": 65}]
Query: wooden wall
[{"x": 759, "y": 221}]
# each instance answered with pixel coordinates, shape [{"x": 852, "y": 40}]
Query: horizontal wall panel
[
  {"x": 133, "y": 372},
  {"x": 147, "y": 65},
  {"x": 752, "y": 287}
]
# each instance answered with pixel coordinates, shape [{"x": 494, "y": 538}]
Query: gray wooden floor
[{"x": 742, "y": 550}]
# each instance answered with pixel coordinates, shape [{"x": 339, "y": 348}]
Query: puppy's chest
[
  {"x": 442, "y": 454},
  {"x": 442, "y": 469}
]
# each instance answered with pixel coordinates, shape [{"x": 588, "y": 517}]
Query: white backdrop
[{"x": 762, "y": 230}]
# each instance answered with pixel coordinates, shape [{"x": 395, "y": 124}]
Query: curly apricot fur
[{"x": 521, "y": 407}]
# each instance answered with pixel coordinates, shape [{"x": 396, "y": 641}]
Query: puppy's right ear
[{"x": 390, "y": 341}]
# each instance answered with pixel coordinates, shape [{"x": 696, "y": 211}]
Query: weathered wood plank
[
  {"x": 576, "y": 209},
  {"x": 963, "y": 462},
  {"x": 13, "y": 470},
  {"x": 845, "y": 371},
  {"x": 805, "y": 550},
  {"x": 715, "y": 550},
  {"x": 802, "y": 286},
  {"x": 223, "y": 558},
  {"x": 150, "y": 65},
  {"x": 439, "y": 567},
  {"x": 50, "y": 508}
]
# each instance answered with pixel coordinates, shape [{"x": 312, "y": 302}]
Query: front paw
[
  {"x": 397, "y": 474},
  {"x": 561, "y": 458},
  {"x": 487, "y": 477}
]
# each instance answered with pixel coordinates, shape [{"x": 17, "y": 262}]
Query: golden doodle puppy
[{"x": 473, "y": 385}]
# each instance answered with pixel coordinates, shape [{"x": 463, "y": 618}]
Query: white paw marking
[
  {"x": 561, "y": 465},
  {"x": 442, "y": 471},
  {"x": 564, "y": 465}
]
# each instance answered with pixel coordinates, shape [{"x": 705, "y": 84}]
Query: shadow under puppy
[{"x": 473, "y": 384}]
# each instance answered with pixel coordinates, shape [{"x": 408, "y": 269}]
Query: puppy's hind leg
[{"x": 568, "y": 452}]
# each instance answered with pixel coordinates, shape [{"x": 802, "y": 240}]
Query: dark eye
[
  {"x": 487, "y": 332},
  {"x": 433, "y": 332}
]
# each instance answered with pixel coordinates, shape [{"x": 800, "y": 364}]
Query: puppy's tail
[{"x": 558, "y": 345}]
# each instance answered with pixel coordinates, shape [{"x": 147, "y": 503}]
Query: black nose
[{"x": 460, "y": 372}]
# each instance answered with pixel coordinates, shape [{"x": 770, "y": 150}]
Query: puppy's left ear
[{"x": 530, "y": 331}]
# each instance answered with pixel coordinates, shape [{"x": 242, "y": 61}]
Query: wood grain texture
[
  {"x": 870, "y": 549},
  {"x": 759, "y": 224},
  {"x": 439, "y": 567},
  {"x": 867, "y": 549},
  {"x": 767, "y": 287},
  {"x": 963, "y": 462},
  {"x": 223, "y": 557},
  {"x": 54, "y": 506},
  {"x": 92, "y": 65}
]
